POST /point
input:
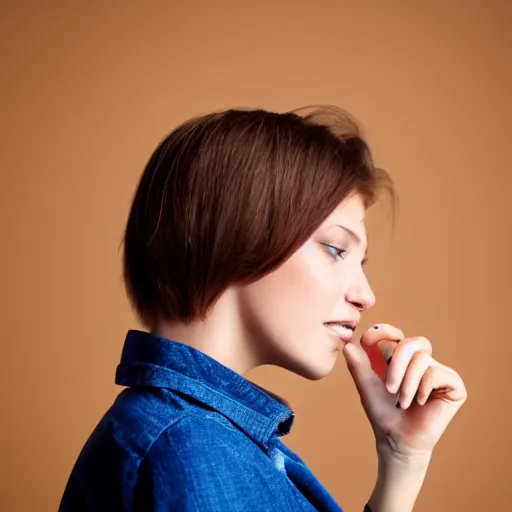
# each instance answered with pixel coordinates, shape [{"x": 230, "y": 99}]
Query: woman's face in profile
[{"x": 323, "y": 281}]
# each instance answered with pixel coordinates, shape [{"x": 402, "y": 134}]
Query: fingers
[
  {"x": 402, "y": 356},
  {"x": 379, "y": 342},
  {"x": 425, "y": 387},
  {"x": 442, "y": 383},
  {"x": 412, "y": 374},
  {"x": 418, "y": 365},
  {"x": 370, "y": 388},
  {"x": 426, "y": 378},
  {"x": 381, "y": 332}
]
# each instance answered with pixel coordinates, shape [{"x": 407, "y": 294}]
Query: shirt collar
[{"x": 149, "y": 360}]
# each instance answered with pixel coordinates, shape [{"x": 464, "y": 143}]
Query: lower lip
[{"x": 345, "y": 337}]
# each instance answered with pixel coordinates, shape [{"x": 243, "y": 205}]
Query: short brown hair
[{"x": 229, "y": 196}]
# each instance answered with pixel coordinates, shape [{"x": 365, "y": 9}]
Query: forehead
[{"x": 351, "y": 214}]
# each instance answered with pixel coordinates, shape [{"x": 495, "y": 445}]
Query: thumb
[{"x": 371, "y": 390}]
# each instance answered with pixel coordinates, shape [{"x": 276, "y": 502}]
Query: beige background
[{"x": 88, "y": 90}]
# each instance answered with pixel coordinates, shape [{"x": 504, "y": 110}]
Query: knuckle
[
  {"x": 420, "y": 357},
  {"x": 411, "y": 348},
  {"x": 425, "y": 341},
  {"x": 422, "y": 343}
]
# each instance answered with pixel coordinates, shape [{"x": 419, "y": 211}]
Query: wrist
[
  {"x": 399, "y": 481},
  {"x": 390, "y": 457},
  {"x": 401, "y": 469}
]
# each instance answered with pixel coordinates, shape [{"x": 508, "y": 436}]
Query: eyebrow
[{"x": 357, "y": 238}]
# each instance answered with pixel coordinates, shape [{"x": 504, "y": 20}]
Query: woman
[{"x": 245, "y": 246}]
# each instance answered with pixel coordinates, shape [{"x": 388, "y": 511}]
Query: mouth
[{"x": 343, "y": 330}]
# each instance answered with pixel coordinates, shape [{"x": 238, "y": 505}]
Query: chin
[
  {"x": 313, "y": 369},
  {"x": 313, "y": 361}
]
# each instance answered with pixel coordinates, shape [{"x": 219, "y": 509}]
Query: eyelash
[{"x": 340, "y": 253}]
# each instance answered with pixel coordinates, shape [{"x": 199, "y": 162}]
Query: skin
[{"x": 279, "y": 320}]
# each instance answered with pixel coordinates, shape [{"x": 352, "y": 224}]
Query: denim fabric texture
[{"x": 190, "y": 434}]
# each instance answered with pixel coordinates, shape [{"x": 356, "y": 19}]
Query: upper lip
[{"x": 351, "y": 323}]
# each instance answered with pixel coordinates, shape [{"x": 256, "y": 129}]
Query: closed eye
[{"x": 337, "y": 253}]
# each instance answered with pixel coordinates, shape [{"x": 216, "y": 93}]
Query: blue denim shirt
[{"x": 190, "y": 434}]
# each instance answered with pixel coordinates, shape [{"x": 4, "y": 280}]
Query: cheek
[
  {"x": 320, "y": 273},
  {"x": 303, "y": 290},
  {"x": 290, "y": 304}
]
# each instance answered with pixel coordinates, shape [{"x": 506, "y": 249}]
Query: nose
[{"x": 361, "y": 295}]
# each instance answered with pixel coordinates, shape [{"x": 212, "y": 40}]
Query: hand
[{"x": 430, "y": 393}]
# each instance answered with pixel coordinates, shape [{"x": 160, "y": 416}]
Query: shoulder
[
  {"x": 145, "y": 421},
  {"x": 201, "y": 435},
  {"x": 139, "y": 416},
  {"x": 203, "y": 462}
]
